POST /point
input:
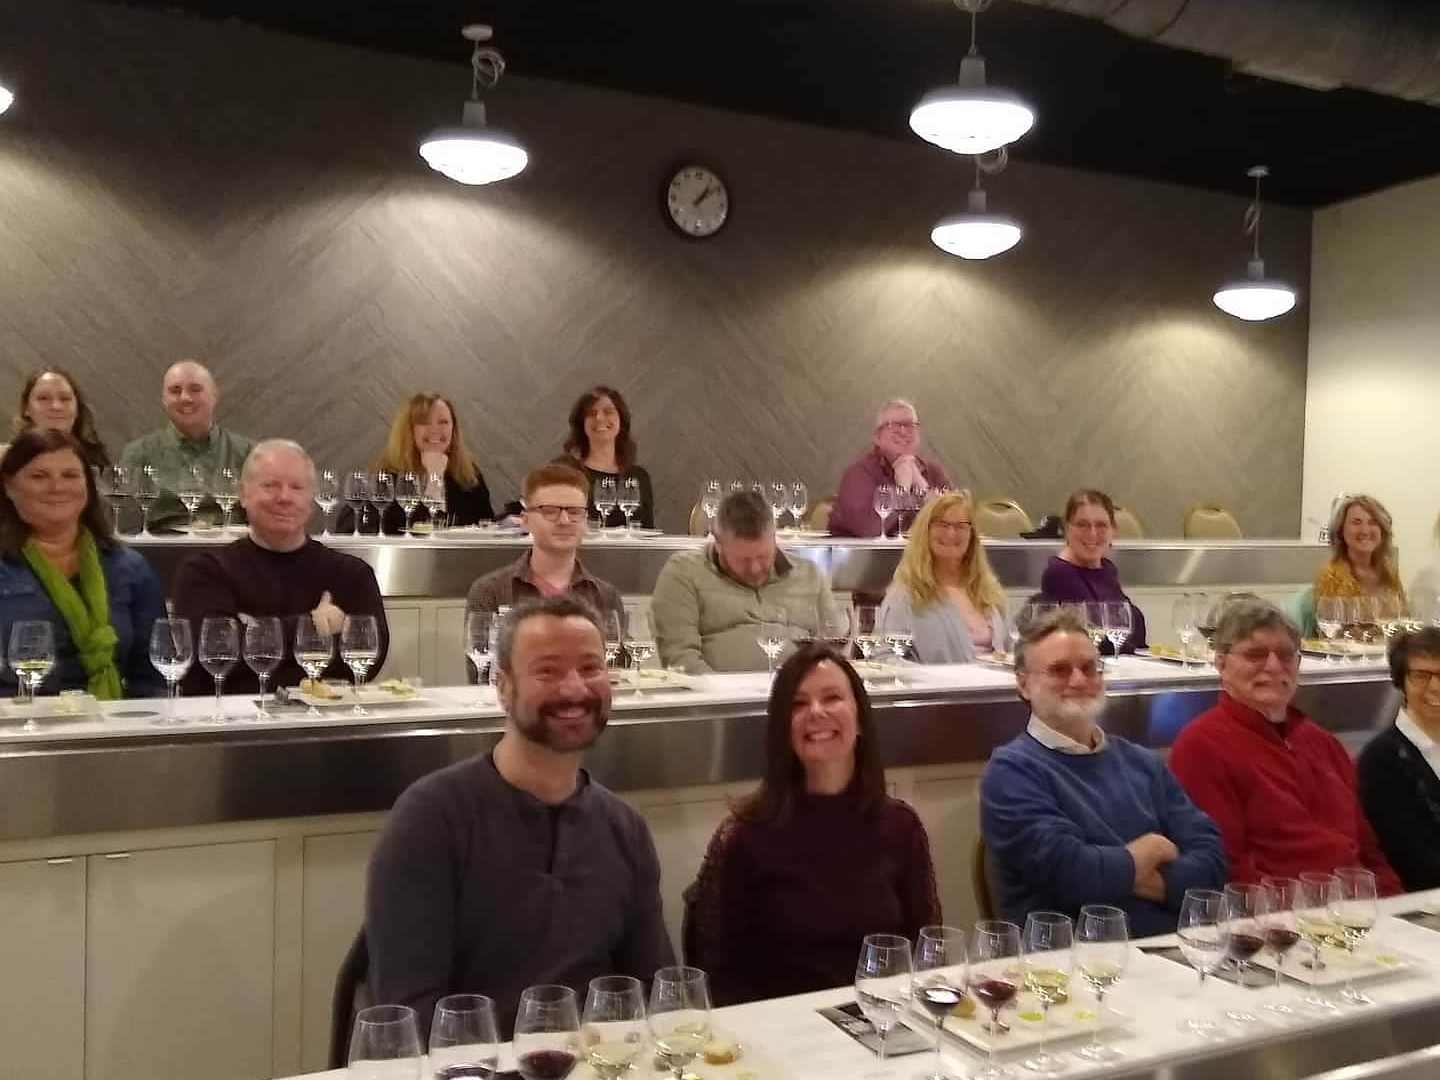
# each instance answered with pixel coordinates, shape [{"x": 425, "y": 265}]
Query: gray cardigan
[{"x": 941, "y": 633}]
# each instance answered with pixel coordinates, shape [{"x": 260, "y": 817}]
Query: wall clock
[{"x": 697, "y": 201}]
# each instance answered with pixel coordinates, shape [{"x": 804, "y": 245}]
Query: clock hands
[{"x": 710, "y": 189}]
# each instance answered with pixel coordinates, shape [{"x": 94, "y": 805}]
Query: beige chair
[
  {"x": 982, "y": 881},
  {"x": 699, "y": 526},
  {"x": 1211, "y": 523},
  {"x": 818, "y": 519},
  {"x": 1002, "y": 519},
  {"x": 1127, "y": 524}
]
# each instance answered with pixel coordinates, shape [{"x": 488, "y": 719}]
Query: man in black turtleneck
[{"x": 278, "y": 569}]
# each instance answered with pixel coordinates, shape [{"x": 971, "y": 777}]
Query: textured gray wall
[{"x": 171, "y": 187}]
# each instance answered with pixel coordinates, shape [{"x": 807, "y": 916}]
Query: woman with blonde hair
[
  {"x": 944, "y": 592},
  {"x": 1362, "y": 541}
]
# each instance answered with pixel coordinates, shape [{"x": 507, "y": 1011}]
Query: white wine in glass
[
  {"x": 679, "y": 1016},
  {"x": 314, "y": 650},
  {"x": 359, "y": 648}
]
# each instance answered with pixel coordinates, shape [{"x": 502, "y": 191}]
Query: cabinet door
[
  {"x": 180, "y": 963},
  {"x": 42, "y": 969},
  {"x": 403, "y": 660}
]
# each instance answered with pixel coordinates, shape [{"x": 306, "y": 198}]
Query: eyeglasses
[
  {"x": 1258, "y": 654},
  {"x": 551, "y": 512},
  {"x": 901, "y": 425},
  {"x": 1422, "y": 678},
  {"x": 951, "y": 526},
  {"x": 1063, "y": 670}
]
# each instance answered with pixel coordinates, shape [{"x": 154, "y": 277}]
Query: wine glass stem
[
  {"x": 939, "y": 1031},
  {"x": 264, "y": 684},
  {"x": 219, "y": 697}
]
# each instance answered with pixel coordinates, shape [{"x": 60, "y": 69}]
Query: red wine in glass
[
  {"x": 546, "y": 1064},
  {"x": 1244, "y": 946},
  {"x": 994, "y": 994},
  {"x": 1280, "y": 940}
]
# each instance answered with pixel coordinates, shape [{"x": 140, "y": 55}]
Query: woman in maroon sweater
[{"x": 815, "y": 859}]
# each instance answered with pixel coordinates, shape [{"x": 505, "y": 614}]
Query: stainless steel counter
[{"x": 445, "y": 568}]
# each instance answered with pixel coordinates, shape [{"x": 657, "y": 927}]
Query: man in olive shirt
[
  {"x": 709, "y": 605},
  {"x": 515, "y": 868},
  {"x": 192, "y": 439}
]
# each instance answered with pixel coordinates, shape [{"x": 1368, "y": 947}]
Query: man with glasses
[
  {"x": 555, "y": 501},
  {"x": 1281, "y": 788},
  {"x": 1073, "y": 816},
  {"x": 893, "y": 459},
  {"x": 1399, "y": 770}
]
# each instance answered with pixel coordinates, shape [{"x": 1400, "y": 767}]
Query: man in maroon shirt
[
  {"x": 1280, "y": 787},
  {"x": 893, "y": 459}
]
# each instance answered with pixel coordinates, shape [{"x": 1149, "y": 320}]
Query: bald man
[{"x": 191, "y": 441}]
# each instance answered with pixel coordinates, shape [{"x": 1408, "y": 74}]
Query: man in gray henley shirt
[{"x": 514, "y": 868}]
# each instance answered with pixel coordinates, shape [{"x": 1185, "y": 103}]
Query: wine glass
[
  {"x": 327, "y": 497},
  {"x": 629, "y": 500},
  {"x": 614, "y": 1027},
  {"x": 219, "y": 653},
  {"x": 1363, "y": 625},
  {"x": 1092, "y": 614},
  {"x": 940, "y": 952},
  {"x": 679, "y": 1015},
  {"x": 32, "y": 655},
  {"x": 868, "y": 638},
  {"x": 1046, "y": 955},
  {"x": 116, "y": 483},
  {"x": 900, "y": 633},
  {"x": 263, "y": 651},
  {"x": 1184, "y": 620},
  {"x": 883, "y": 503},
  {"x": 314, "y": 650},
  {"x": 547, "y": 1033},
  {"x": 434, "y": 498},
  {"x": 385, "y": 1044},
  {"x": 1390, "y": 614},
  {"x": 771, "y": 636},
  {"x": 1102, "y": 952},
  {"x": 1207, "y": 618},
  {"x": 799, "y": 502},
  {"x": 464, "y": 1038},
  {"x": 1318, "y": 896},
  {"x": 359, "y": 648},
  {"x": 1245, "y": 935},
  {"x": 1117, "y": 623},
  {"x": 607, "y": 498},
  {"x": 994, "y": 964},
  {"x": 778, "y": 496},
  {"x": 613, "y": 626},
  {"x": 190, "y": 490},
  {"x": 407, "y": 494},
  {"x": 480, "y": 631},
  {"x": 227, "y": 493},
  {"x": 356, "y": 494},
  {"x": 640, "y": 638},
  {"x": 881, "y": 981},
  {"x": 147, "y": 492},
  {"x": 1203, "y": 942},
  {"x": 172, "y": 651},
  {"x": 1355, "y": 910},
  {"x": 1281, "y": 899},
  {"x": 382, "y": 494},
  {"x": 710, "y": 499},
  {"x": 1330, "y": 620},
  {"x": 833, "y": 626},
  {"x": 737, "y": 486}
]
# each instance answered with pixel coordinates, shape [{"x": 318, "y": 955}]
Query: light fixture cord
[
  {"x": 974, "y": 7},
  {"x": 1252, "y": 218},
  {"x": 486, "y": 67}
]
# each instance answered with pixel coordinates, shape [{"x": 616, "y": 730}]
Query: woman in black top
[
  {"x": 51, "y": 400},
  {"x": 1399, "y": 787},
  {"x": 600, "y": 443}
]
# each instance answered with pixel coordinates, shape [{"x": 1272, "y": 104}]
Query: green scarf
[{"x": 86, "y": 613}]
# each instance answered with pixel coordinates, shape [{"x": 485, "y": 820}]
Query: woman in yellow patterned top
[{"x": 1363, "y": 563}]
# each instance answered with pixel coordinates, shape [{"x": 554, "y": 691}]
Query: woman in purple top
[{"x": 1081, "y": 573}]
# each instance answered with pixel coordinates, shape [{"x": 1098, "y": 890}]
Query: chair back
[
  {"x": 818, "y": 519},
  {"x": 699, "y": 524},
  {"x": 1002, "y": 519},
  {"x": 1211, "y": 523},
  {"x": 982, "y": 879},
  {"x": 1127, "y": 524},
  {"x": 689, "y": 943},
  {"x": 351, "y": 995}
]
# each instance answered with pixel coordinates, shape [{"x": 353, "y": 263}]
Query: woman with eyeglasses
[
  {"x": 944, "y": 591},
  {"x": 1082, "y": 573}
]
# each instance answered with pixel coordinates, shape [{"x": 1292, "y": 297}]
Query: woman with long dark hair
[
  {"x": 818, "y": 856},
  {"x": 600, "y": 443},
  {"x": 51, "y": 400}
]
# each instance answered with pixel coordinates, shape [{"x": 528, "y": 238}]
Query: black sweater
[{"x": 1401, "y": 796}]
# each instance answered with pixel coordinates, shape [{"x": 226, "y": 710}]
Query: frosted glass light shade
[
  {"x": 474, "y": 155},
  {"x": 7, "y": 98},
  {"x": 971, "y": 120},
  {"x": 976, "y": 236},
  {"x": 1256, "y": 298}
]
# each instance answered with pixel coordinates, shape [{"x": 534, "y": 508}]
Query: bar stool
[
  {"x": 1127, "y": 524},
  {"x": 1002, "y": 519},
  {"x": 1207, "y": 522}
]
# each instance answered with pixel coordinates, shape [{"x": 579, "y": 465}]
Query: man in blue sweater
[{"x": 1072, "y": 816}]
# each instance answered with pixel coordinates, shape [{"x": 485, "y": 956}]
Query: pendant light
[
  {"x": 977, "y": 233},
  {"x": 1255, "y": 298},
  {"x": 474, "y": 152},
  {"x": 7, "y": 98},
  {"x": 971, "y": 118}
]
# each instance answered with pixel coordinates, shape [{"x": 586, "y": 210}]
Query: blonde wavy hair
[
  {"x": 917, "y": 566},
  {"x": 1385, "y": 561},
  {"x": 400, "y": 454}
]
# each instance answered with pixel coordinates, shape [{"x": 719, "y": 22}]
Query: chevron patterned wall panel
[{"x": 172, "y": 187}]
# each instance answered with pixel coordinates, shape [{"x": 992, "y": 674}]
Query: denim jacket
[{"x": 136, "y": 601}]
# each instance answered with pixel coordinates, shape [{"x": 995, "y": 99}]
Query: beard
[
  {"x": 540, "y": 724},
  {"x": 1069, "y": 712}
]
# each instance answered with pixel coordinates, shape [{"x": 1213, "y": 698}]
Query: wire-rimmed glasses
[{"x": 1047, "y": 957}]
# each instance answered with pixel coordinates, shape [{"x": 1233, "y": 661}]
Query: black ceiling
[{"x": 1106, "y": 102}]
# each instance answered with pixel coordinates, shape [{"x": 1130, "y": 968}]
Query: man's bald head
[{"x": 189, "y": 395}]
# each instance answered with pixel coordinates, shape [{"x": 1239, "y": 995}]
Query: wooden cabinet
[
  {"x": 180, "y": 962},
  {"x": 333, "y": 910},
  {"x": 42, "y": 969}
]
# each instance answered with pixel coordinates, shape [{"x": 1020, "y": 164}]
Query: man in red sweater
[{"x": 1281, "y": 788}]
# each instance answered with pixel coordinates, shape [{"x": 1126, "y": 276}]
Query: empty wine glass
[
  {"x": 190, "y": 489},
  {"x": 899, "y": 631},
  {"x": 357, "y": 494},
  {"x": 994, "y": 965},
  {"x": 147, "y": 492},
  {"x": 629, "y": 500},
  {"x": 613, "y": 1024},
  {"x": 464, "y": 1038},
  {"x": 1117, "y": 622},
  {"x": 407, "y": 494},
  {"x": 771, "y": 636},
  {"x": 710, "y": 499},
  {"x": 799, "y": 502},
  {"x": 1330, "y": 621},
  {"x": 1045, "y": 949},
  {"x": 882, "y": 976},
  {"x": 382, "y": 494},
  {"x": 264, "y": 649},
  {"x": 32, "y": 656},
  {"x": 1207, "y": 618},
  {"x": 116, "y": 483},
  {"x": 434, "y": 499},
  {"x": 833, "y": 626},
  {"x": 883, "y": 503},
  {"x": 737, "y": 486},
  {"x": 227, "y": 493},
  {"x": 219, "y": 653},
  {"x": 314, "y": 650},
  {"x": 607, "y": 498},
  {"x": 359, "y": 648},
  {"x": 939, "y": 983},
  {"x": 1203, "y": 942},
  {"x": 1092, "y": 613},
  {"x": 613, "y": 626},
  {"x": 1185, "y": 621},
  {"x": 1355, "y": 909},
  {"x": 679, "y": 1015},
  {"x": 385, "y": 1044},
  {"x": 327, "y": 497},
  {"x": 869, "y": 638},
  {"x": 1245, "y": 935},
  {"x": 1362, "y": 625},
  {"x": 480, "y": 631},
  {"x": 172, "y": 651},
  {"x": 1102, "y": 952},
  {"x": 639, "y": 639},
  {"x": 778, "y": 496}
]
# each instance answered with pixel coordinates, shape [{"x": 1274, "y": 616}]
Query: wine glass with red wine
[
  {"x": 1244, "y": 913},
  {"x": 938, "y": 984},
  {"x": 1282, "y": 897},
  {"x": 994, "y": 979},
  {"x": 547, "y": 1033}
]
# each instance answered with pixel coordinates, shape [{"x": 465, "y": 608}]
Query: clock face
[{"x": 697, "y": 201}]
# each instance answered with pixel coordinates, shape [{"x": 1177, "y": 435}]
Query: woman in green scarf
[{"x": 60, "y": 563}]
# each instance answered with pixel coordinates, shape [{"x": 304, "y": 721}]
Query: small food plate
[
  {"x": 1344, "y": 649},
  {"x": 883, "y": 673},
  {"x": 67, "y": 705},
  {"x": 1368, "y": 963},
  {"x": 997, "y": 659},
  {"x": 1172, "y": 654},
  {"x": 618, "y": 533},
  {"x": 1028, "y": 1025},
  {"x": 645, "y": 680},
  {"x": 334, "y": 695},
  {"x": 802, "y": 534}
]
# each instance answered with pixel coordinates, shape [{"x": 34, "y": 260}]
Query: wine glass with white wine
[
  {"x": 314, "y": 650},
  {"x": 1102, "y": 952},
  {"x": 679, "y": 1017},
  {"x": 613, "y": 1028},
  {"x": 359, "y": 648}
]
